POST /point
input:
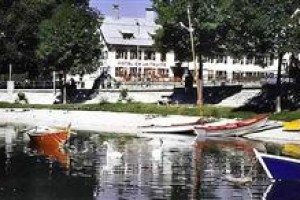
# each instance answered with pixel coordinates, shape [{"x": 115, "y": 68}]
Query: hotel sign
[{"x": 151, "y": 64}]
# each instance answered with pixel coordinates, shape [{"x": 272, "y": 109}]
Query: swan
[
  {"x": 157, "y": 152},
  {"x": 113, "y": 158},
  {"x": 110, "y": 151}
]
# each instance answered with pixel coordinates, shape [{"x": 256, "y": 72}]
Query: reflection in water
[
  {"x": 282, "y": 190},
  {"x": 98, "y": 166},
  {"x": 52, "y": 152}
]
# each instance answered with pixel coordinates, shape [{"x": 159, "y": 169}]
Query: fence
[{"x": 30, "y": 84}]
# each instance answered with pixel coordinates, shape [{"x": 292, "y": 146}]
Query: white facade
[
  {"x": 129, "y": 54},
  {"x": 227, "y": 69}
]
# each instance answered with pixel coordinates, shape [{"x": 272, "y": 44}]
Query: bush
[
  {"x": 21, "y": 99},
  {"x": 123, "y": 94}
]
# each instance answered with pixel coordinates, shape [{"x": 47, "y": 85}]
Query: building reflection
[{"x": 106, "y": 167}]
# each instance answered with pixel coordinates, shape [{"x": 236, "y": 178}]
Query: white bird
[
  {"x": 113, "y": 158},
  {"x": 157, "y": 152},
  {"x": 110, "y": 152}
]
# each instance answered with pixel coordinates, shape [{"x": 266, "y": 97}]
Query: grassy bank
[{"x": 212, "y": 111}]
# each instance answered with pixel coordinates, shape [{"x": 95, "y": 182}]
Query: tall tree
[
  {"x": 207, "y": 19},
  {"x": 69, "y": 41},
  {"x": 18, "y": 31},
  {"x": 19, "y": 24},
  {"x": 263, "y": 28}
]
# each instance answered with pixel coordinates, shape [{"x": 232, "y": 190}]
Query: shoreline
[
  {"x": 119, "y": 122},
  {"x": 99, "y": 121}
]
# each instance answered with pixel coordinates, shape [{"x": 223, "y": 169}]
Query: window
[
  {"x": 250, "y": 60},
  {"x": 163, "y": 57},
  {"x": 133, "y": 54},
  {"x": 149, "y": 55},
  {"x": 127, "y": 36},
  {"x": 121, "y": 54},
  {"x": 119, "y": 72},
  {"x": 210, "y": 75},
  {"x": 238, "y": 61},
  {"x": 221, "y": 59}
]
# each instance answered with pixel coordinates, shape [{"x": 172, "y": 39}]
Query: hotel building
[{"x": 129, "y": 55}]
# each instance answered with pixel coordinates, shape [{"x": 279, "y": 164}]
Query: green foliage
[
  {"x": 69, "y": 40},
  {"x": 18, "y": 29},
  {"x": 262, "y": 27},
  {"x": 208, "y": 19}
]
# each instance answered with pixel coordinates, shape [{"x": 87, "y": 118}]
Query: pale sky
[{"x": 129, "y": 8}]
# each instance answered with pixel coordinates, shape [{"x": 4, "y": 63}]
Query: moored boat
[
  {"x": 281, "y": 190},
  {"x": 184, "y": 127},
  {"x": 232, "y": 129},
  {"x": 45, "y": 136},
  {"x": 292, "y": 125},
  {"x": 279, "y": 168}
]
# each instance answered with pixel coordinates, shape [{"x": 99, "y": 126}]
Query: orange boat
[{"x": 45, "y": 136}]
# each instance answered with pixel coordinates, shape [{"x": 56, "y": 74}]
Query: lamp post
[{"x": 197, "y": 78}]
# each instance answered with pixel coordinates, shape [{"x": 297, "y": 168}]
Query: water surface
[{"x": 148, "y": 167}]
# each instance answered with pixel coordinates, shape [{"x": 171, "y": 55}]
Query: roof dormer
[{"x": 127, "y": 35}]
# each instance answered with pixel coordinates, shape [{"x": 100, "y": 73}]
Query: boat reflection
[
  {"x": 218, "y": 158},
  {"x": 282, "y": 190},
  {"x": 52, "y": 152}
]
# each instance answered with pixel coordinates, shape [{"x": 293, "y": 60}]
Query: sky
[{"x": 128, "y": 8}]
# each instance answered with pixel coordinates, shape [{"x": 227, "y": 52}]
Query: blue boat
[
  {"x": 279, "y": 168},
  {"x": 281, "y": 190}
]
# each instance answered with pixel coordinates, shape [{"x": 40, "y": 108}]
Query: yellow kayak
[
  {"x": 292, "y": 125},
  {"x": 291, "y": 149}
]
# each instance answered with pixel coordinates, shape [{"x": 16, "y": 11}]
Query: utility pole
[{"x": 197, "y": 78}]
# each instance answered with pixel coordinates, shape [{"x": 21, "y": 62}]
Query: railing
[{"x": 30, "y": 84}]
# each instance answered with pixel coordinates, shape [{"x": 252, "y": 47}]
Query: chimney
[
  {"x": 150, "y": 14},
  {"x": 115, "y": 11}
]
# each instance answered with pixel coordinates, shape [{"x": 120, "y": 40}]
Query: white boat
[
  {"x": 233, "y": 129},
  {"x": 168, "y": 129},
  {"x": 167, "y": 126}
]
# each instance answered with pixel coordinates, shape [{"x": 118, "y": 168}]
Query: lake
[{"x": 118, "y": 167}]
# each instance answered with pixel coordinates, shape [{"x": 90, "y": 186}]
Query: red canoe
[
  {"x": 233, "y": 129},
  {"x": 44, "y": 136}
]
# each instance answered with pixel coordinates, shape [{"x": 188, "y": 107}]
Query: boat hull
[
  {"x": 279, "y": 167},
  {"x": 57, "y": 138},
  {"x": 168, "y": 129},
  {"x": 230, "y": 132},
  {"x": 292, "y": 126},
  {"x": 282, "y": 190}
]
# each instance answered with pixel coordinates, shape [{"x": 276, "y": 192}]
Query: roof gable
[{"x": 113, "y": 31}]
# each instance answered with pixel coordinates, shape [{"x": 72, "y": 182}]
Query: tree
[
  {"x": 208, "y": 18},
  {"x": 18, "y": 31},
  {"x": 19, "y": 24},
  {"x": 263, "y": 28},
  {"x": 240, "y": 28},
  {"x": 69, "y": 41}
]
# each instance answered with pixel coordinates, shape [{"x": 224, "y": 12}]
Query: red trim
[{"x": 234, "y": 125}]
